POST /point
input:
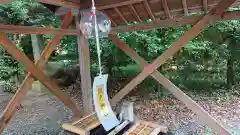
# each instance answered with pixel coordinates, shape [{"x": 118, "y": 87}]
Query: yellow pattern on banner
[{"x": 101, "y": 100}]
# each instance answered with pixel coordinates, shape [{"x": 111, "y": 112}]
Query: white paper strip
[{"x": 102, "y": 105}]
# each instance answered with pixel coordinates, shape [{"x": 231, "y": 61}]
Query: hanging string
[{"x": 97, "y": 38}]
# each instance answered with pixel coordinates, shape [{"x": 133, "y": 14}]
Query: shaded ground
[{"x": 45, "y": 117}]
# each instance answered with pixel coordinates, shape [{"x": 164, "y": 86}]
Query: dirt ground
[{"x": 44, "y": 117}]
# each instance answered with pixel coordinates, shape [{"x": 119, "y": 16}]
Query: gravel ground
[
  {"x": 40, "y": 118},
  {"x": 46, "y": 117}
]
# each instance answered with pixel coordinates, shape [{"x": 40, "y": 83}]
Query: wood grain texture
[
  {"x": 185, "y": 7},
  {"x": 166, "y": 9},
  {"x": 173, "y": 8},
  {"x": 205, "y": 5},
  {"x": 177, "y": 45},
  {"x": 191, "y": 104},
  {"x": 62, "y": 3},
  {"x": 27, "y": 83},
  {"x": 181, "y": 42},
  {"x": 85, "y": 73},
  {"x": 135, "y": 12},
  {"x": 35, "y": 30},
  {"x": 121, "y": 15},
  {"x": 229, "y": 15},
  {"x": 148, "y": 9}
]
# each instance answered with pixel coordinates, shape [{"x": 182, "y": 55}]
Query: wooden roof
[{"x": 128, "y": 11}]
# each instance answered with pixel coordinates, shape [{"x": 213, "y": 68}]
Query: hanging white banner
[{"x": 102, "y": 105}]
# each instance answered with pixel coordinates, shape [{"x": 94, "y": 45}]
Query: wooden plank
[
  {"x": 121, "y": 15},
  {"x": 205, "y": 5},
  {"x": 85, "y": 73},
  {"x": 27, "y": 83},
  {"x": 119, "y": 4},
  {"x": 61, "y": 3},
  {"x": 185, "y": 7},
  {"x": 180, "y": 95},
  {"x": 135, "y": 12},
  {"x": 5, "y": 1},
  {"x": 229, "y": 15},
  {"x": 149, "y": 11},
  {"x": 166, "y": 9},
  {"x": 181, "y": 42},
  {"x": 74, "y": 129},
  {"x": 35, "y": 30}
]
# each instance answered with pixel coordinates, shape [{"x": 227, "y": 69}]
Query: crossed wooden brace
[
  {"x": 36, "y": 72},
  {"x": 151, "y": 69}
]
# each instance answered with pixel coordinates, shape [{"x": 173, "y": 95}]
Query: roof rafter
[
  {"x": 149, "y": 11},
  {"x": 229, "y": 15},
  {"x": 36, "y": 30},
  {"x": 62, "y": 3},
  {"x": 121, "y": 15},
  {"x": 124, "y": 3},
  {"x": 135, "y": 12},
  {"x": 166, "y": 9},
  {"x": 205, "y": 5},
  {"x": 185, "y": 7}
]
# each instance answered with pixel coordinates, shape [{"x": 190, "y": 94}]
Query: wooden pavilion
[{"x": 126, "y": 16}]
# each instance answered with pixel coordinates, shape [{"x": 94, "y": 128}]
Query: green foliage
[{"x": 201, "y": 65}]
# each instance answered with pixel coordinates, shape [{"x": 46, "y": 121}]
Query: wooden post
[
  {"x": 27, "y": 83},
  {"x": 84, "y": 62},
  {"x": 208, "y": 119}
]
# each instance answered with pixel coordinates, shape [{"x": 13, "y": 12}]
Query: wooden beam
[
  {"x": 185, "y": 7},
  {"x": 208, "y": 119},
  {"x": 85, "y": 73},
  {"x": 27, "y": 83},
  {"x": 229, "y": 15},
  {"x": 166, "y": 9},
  {"x": 205, "y": 5},
  {"x": 12, "y": 49},
  {"x": 135, "y": 12},
  {"x": 61, "y": 3},
  {"x": 181, "y": 42},
  {"x": 121, "y": 15},
  {"x": 123, "y": 3},
  {"x": 35, "y": 30},
  {"x": 5, "y": 1},
  {"x": 149, "y": 11}
]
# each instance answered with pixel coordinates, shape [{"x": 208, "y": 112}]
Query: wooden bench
[{"x": 85, "y": 125}]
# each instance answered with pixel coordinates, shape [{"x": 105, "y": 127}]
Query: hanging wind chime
[{"x": 95, "y": 24}]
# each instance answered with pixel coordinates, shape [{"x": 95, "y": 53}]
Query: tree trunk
[{"x": 230, "y": 72}]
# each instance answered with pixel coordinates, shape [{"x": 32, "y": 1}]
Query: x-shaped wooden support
[
  {"x": 181, "y": 42},
  {"x": 36, "y": 72},
  {"x": 208, "y": 119}
]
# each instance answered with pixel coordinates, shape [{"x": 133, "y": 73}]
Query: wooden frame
[
  {"x": 209, "y": 120},
  {"x": 62, "y": 3},
  {"x": 228, "y": 15},
  {"x": 36, "y": 72},
  {"x": 36, "y": 30},
  {"x": 84, "y": 62},
  {"x": 176, "y": 46}
]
